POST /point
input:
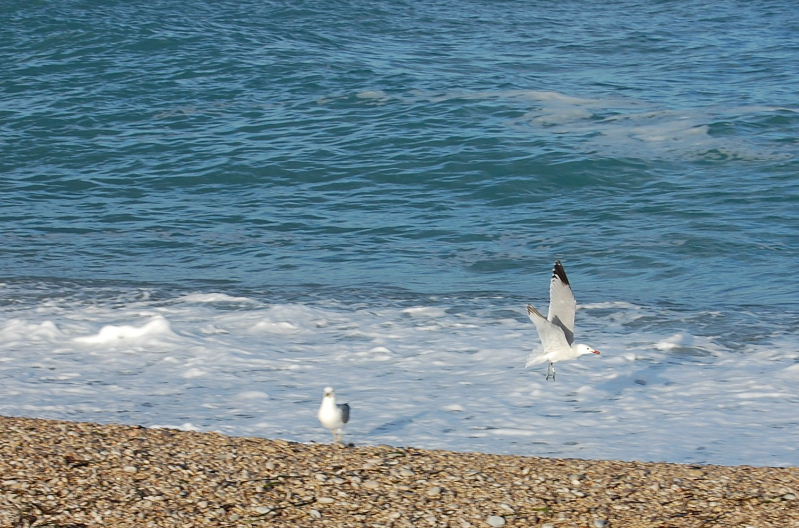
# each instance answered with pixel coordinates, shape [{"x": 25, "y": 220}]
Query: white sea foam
[
  {"x": 424, "y": 311},
  {"x": 276, "y": 327},
  {"x": 793, "y": 370},
  {"x": 186, "y": 426},
  {"x": 19, "y": 329},
  {"x": 194, "y": 373},
  {"x": 158, "y": 326},
  {"x": 214, "y": 298},
  {"x": 425, "y": 375},
  {"x": 251, "y": 395},
  {"x": 372, "y": 94}
]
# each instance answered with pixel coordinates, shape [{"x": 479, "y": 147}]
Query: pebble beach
[{"x": 72, "y": 474}]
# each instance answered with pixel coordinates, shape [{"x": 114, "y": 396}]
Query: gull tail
[{"x": 535, "y": 359}]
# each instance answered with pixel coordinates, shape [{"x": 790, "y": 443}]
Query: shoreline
[{"x": 79, "y": 474}]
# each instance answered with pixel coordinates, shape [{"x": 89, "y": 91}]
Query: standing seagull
[
  {"x": 334, "y": 415},
  {"x": 557, "y": 329}
]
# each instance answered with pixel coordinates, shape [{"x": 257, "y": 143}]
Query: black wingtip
[{"x": 559, "y": 272}]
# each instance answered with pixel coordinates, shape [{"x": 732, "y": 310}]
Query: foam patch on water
[
  {"x": 111, "y": 334},
  {"x": 421, "y": 373},
  {"x": 624, "y": 127},
  {"x": 214, "y": 298},
  {"x": 18, "y": 329}
]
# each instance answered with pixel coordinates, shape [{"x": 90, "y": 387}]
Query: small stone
[
  {"x": 371, "y": 484},
  {"x": 789, "y": 496},
  {"x": 435, "y": 491},
  {"x": 547, "y": 525},
  {"x": 130, "y": 469},
  {"x": 496, "y": 521},
  {"x": 601, "y": 523},
  {"x": 325, "y": 500},
  {"x": 262, "y": 510},
  {"x": 405, "y": 472},
  {"x": 315, "y": 514}
]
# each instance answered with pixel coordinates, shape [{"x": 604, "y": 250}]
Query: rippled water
[{"x": 211, "y": 211}]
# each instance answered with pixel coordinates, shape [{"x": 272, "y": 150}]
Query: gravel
[
  {"x": 80, "y": 475},
  {"x": 496, "y": 521}
]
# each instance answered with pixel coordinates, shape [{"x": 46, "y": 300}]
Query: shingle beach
[{"x": 72, "y": 475}]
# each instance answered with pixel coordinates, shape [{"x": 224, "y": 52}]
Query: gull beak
[{"x": 597, "y": 352}]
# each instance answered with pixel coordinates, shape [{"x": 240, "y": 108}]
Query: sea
[{"x": 209, "y": 211}]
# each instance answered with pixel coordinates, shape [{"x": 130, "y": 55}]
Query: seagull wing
[
  {"x": 562, "y": 304},
  {"x": 345, "y": 411},
  {"x": 551, "y": 334}
]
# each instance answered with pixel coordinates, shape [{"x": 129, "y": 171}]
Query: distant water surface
[{"x": 212, "y": 210}]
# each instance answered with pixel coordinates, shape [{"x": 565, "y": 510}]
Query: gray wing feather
[
  {"x": 562, "y": 304},
  {"x": 551, "y": 334},
  {"x": 345, "y": 411}
]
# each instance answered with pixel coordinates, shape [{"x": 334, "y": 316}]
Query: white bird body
[
  {"x": 333, "y": 415},
  {"x": 556, "y": 330}
]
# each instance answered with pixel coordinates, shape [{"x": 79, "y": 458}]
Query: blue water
[{"x": 362, "y": 157}]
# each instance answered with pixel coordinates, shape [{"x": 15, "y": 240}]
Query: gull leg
[{"x": 551, "y": 372}]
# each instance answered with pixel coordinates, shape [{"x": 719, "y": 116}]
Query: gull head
[
  {"x": 329, "y": 392},
  {"x": 585, "y": 349}
]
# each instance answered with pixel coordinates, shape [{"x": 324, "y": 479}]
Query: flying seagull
[
  {"x": 334, "y": 415},
  {"x": 557, "y": 329}
]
